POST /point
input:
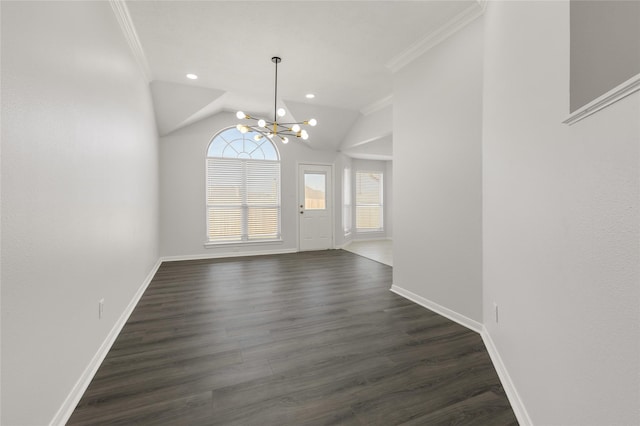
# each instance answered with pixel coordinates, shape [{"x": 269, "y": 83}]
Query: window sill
[{"x": 242, "y": 243}]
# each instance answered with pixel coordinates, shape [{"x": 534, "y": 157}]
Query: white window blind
[
  {"x": 263, "y": 199},
  {"x": 243, "y": 193},
  {"x": 369, "y": 201},
  {"x": 346, "y": 201}
]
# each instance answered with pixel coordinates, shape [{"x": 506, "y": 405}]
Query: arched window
[{"x": 243, "y": 188}]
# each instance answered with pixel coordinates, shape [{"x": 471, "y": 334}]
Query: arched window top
[{"x": 231, "y": 143}]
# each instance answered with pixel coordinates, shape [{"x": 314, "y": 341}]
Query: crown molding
[
  {"x": 128, "y": 29},
  {"x": 377, "y": 105},
  {"x": 438, "y": 36},
  {"x": 612, "y": 96}
]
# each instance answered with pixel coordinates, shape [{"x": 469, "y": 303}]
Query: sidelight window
[{"x": 369, "y": 201}]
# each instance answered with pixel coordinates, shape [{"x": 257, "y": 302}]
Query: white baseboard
[
  {"x": 438, "y": 309},
  {"x": 512, "y": 394},
  {"x": 69, "y": 404},
  {"x": 226, "y": 254}
]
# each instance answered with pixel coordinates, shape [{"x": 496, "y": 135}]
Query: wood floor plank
[
  {"x": 308, "y": 338},
  {"x": 486, "y": 408}
]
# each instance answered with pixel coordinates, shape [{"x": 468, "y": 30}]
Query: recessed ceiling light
[
  {"x": 192, "y": 76},
  {"x": 309, "y": 96}
]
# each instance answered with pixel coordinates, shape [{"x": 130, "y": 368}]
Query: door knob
[{"x": 301, "y": 212}]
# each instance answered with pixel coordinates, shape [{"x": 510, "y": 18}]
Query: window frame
[
  {"x": 380, "y": 204},
  {"x": 244, "y": 206}
]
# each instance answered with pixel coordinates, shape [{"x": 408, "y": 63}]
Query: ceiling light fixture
[
  {"x": 309, "y": 96},
  {"x": 192, "y": 76},
  {"x": 274, "y": 128}
]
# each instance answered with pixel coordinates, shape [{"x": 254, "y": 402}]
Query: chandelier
[{"x": 272, "y": 129}]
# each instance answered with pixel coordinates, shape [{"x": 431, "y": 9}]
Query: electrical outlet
[
  {"x": 100, "y": 308},
  {"x": 495, "y": 309}
]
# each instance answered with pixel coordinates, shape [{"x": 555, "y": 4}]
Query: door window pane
[{"x": 315, "y": 191}]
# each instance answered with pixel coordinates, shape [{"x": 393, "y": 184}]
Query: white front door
[{"x": 315, "y": 207}]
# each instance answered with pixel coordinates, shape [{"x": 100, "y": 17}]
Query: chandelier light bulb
[{"x": 261, "y": 129}]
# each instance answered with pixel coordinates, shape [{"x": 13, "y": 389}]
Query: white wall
[
  {"x": 342, "y": 161},
  {"x": 182, "y": 171},
  {"x": 369, "y": 127},
  {"x": 79, "y": 195},
  {"x": 370, "y": 137},
  {"x": 437, "y": 201},
  {"x": 561, "y": 226}
]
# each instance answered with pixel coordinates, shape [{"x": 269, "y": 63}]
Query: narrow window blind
[
  {"x": 263, "y": 199},
  {"x": 225, "y": 199},
  {"x": 369, "y": 201}
]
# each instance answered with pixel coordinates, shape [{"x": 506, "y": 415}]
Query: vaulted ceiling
[{"x": 343, "y": 52}]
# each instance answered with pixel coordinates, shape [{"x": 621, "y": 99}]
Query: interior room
[{"x": 330, "y": 190}]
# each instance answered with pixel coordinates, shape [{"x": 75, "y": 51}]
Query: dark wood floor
[{"x": 296, "y": 339}]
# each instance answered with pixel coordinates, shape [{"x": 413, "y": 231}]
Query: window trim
[
  {"x": 347, "y": 201},
  {"x": 245, "y": 241},
  {"x": 380, "y": 230},
  {"x": 209, "y": 244}
]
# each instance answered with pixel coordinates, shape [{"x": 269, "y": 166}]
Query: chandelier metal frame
[{"x": 274, "y": 128}]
